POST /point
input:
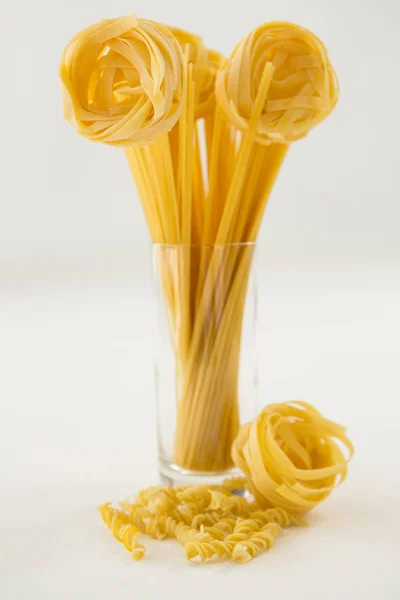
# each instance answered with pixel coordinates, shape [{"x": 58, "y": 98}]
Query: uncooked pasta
[
  {"x": 257, "y": 542},
  {"x": 303, "y": 89},
  {"x": 119, "y": 523},
  {"x": 205, "y": 137},
  {"x": 293, "y": 457},
  {"x": 210, "y": 522},
  {"x": 121, "y": 81}
]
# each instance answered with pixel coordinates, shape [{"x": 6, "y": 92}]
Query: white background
[{"x": 77, "y": 423}]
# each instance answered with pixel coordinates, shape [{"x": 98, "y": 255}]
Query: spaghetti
[{"x": 205, "y": 138}]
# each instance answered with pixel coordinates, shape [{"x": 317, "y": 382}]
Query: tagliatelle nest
[
  {"x": 293, "y": 457},
  {"x": 121, "y": 81},
  {"x": 303, "y": 89}
]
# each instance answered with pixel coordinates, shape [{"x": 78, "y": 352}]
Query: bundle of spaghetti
[
  {"x": 270, "y": 51},
  {"x": 205, "y": 138},
  {"x": 293, "y": 457}
]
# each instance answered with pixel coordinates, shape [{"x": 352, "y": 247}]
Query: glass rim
[{"x": 229, "y": 245}]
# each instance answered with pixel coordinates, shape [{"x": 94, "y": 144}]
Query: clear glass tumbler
[{"x": 205, "y": 356}]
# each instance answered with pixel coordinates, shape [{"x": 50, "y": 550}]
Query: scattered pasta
[{"x": 221, "y": 525}]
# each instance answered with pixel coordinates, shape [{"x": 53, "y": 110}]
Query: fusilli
[{"x": 262, "y": 540}]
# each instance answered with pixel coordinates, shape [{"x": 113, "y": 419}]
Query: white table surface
[{"x": 77, "y": 429}]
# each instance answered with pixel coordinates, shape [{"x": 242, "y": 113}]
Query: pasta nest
[
  {"x": 303, "y": 89},
  {"x": 205, "y": 66},
  {"x": 293, "y": 456},
  {"x": 121, "y": 81}
]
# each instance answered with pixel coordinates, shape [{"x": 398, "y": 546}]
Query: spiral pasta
[
  {"x": 241, "y": 545},
  {"x": 262, "y": 540},
  {"x": 161, "y": 502},
  {"x": 137, "y": 550},
  {"x": 205, "y": 551},
  {"x": 208, "y": 518},
  {"x": 192, "y": 515},
  {"x": 257, "y": 521},
  {"x": 121, "y": 81},
  {"x": 144, "y": 496},
  {"x": 292, "y": 456},
  {"x": 140, "y": 516},
  {"x": 220, "y": 529},
  {"x": 230, "y": 503},
  {"x": 115, "y": 519},
  {"x": 118, "y": 521},
  {"x": 228, "y": 529},
  {"x": 303, "y": 88}
]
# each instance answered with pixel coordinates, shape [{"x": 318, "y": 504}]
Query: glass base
[{"x": 176, "y": 476}]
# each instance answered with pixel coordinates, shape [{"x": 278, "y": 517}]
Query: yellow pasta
[
  {"x": 209, "y": 521},
  {"x": 115, "y": 519},
  {"x": 121, "y": 81},
  {"x": 220, "y": 529},
  {"x": 234, "y": 483},
  {"x": 118, "y": 521},
  {"x": 161, "y": 502},
  {"x": 230, "y": 503},
  {"x": 276, "y": 515},
  {"x": 303, "y": 88},
  {"x": 203, "y": 519},
  {"x": 293, "y": 457},
  {"x": 245, "y": 550},
  {"x": 205, "y": 67},
  {"x": 205, "y": 138},
  {"x": 205, "y": 551}
]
